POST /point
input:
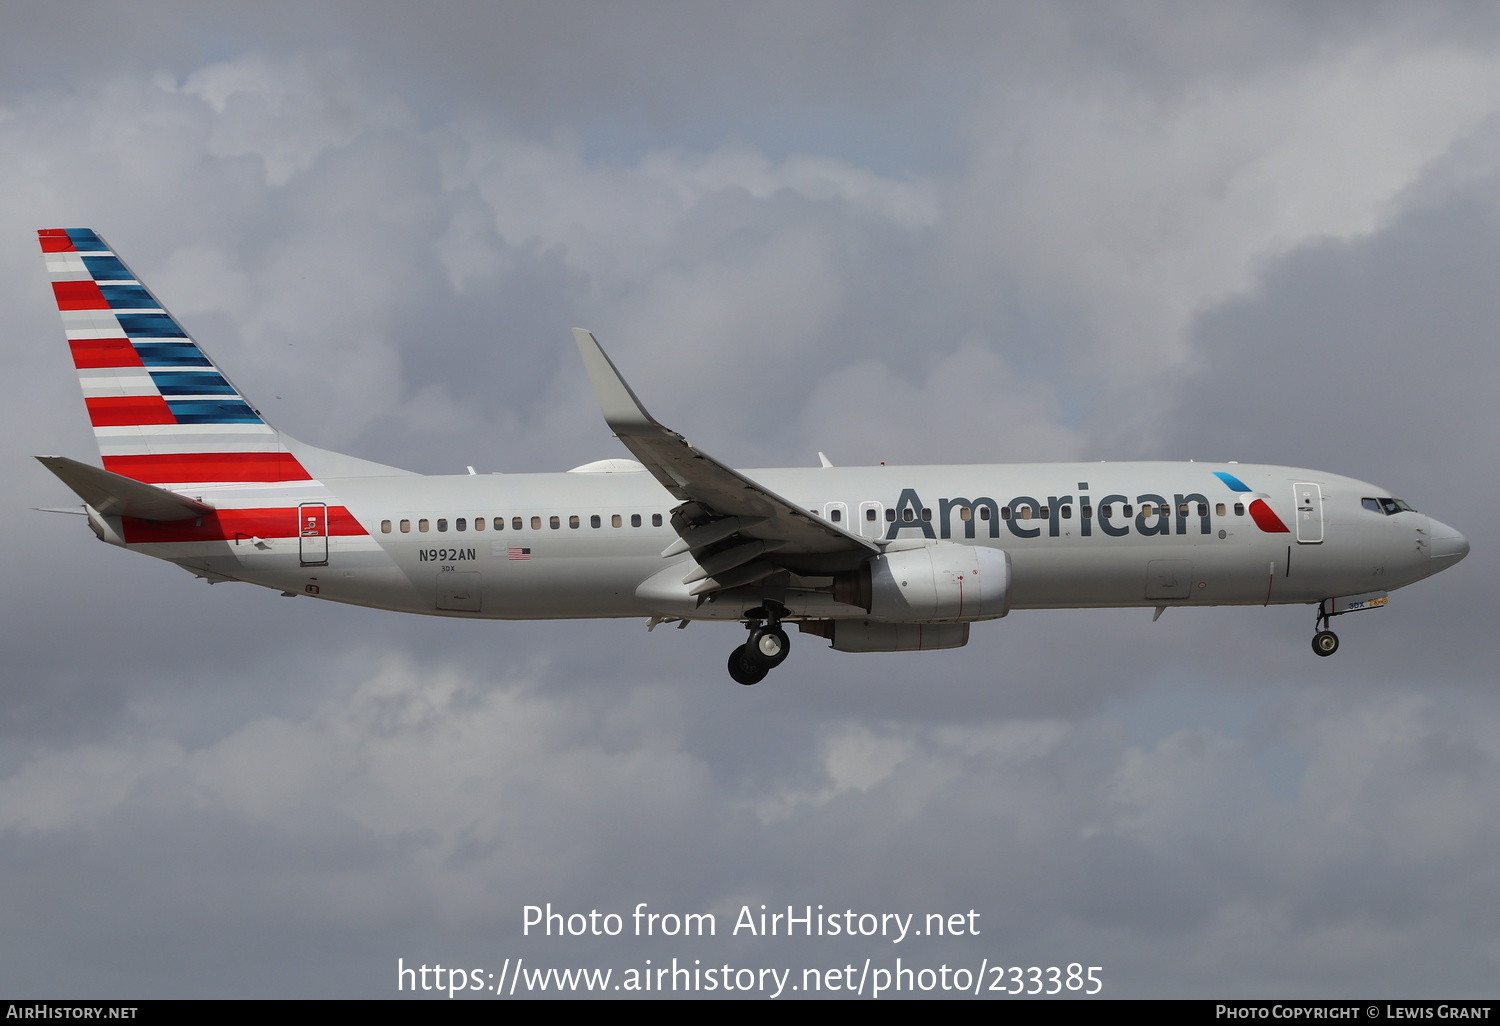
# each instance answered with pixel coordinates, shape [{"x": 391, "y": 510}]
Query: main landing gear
[{"x": 766, "y": 648}]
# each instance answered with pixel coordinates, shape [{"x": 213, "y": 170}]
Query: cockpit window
[{"x": 1390, "y": 507}]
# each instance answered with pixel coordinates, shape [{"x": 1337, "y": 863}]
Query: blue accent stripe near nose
[{"x": 1232, "y": 481}]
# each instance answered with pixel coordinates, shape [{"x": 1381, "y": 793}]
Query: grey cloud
[{"x": 217, "y": 791}]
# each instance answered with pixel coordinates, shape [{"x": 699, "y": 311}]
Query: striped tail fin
[{"x": 163, "y": 413}]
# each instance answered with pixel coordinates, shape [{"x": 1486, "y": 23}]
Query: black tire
[
  {"x": 768, "y": 646},
  {"x": 1325, "y": 643},
  {"x": 745, "y": 670}
]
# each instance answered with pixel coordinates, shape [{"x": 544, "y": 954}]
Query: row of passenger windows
[
  {"x": 835, "y": 514},
  {"x": 1065, "y": 511},
  {"x": 516, "y": 523}
]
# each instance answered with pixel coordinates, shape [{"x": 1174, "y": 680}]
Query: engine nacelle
[{"x": 945, "y": 582}]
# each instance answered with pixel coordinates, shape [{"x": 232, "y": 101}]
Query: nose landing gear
[
  {"x": 1325, "y": 642},
  {"x": 766, "y": 648}
]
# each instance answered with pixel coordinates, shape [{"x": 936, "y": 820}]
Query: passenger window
[
  {"x": 554, "y": 522},
  {"x": 908, "y": 515},
  {"x": 536, "y": 523},
  {"x": 1086, "y": 511},
  {"x": 835, "y": 515},
  {"x": 1046, "y": 512},
  {"x": 460, "y": 524},
  {"x": 1067, "y": 512},
  {"x": 1219, "y": 509},
  {"x": 984, "y": 512},
  {"x": 1023, "y": 512},
  {"x": 594, "y": 520},
  {"x": 615, "y": 520},
  {"x": 422, "y": 525},
  {"x": 1182, "y": 509},
  {"x": 926, "y": 513},
  {"x": 1239, "y": 509},
  {"x": 479, "y": 523},
  {"x": 965, "y": 513},
  {"x": 1203, "y": 509},
  {"x": 385, "y": 527},
  {"x": 1004, "y": 513},
  {"x": 890, "y": 516},
  {"x": 515, "y": 523},
  {"x": 442, "y": 523},
  {"x": 573, "y": 522},
  {"x": 1107, "y": 510},
  {"x": 870, "y": 514},
  {"x": 635, "y": 520},
  {"x": 1125, "y": 510},
  {"x": 656, "y": 520},
  {"x": 406, "y": 527}
]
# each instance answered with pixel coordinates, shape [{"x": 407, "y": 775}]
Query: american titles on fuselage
[{"x": 1115, "y": 515}]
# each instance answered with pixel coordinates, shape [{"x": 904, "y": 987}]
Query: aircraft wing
[{"x": 726, "y": 518}]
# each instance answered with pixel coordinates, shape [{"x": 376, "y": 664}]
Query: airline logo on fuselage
[{"x": 1115, "y": 515}]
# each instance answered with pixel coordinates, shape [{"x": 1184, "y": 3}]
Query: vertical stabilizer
[{"x": 163, "y": 413}]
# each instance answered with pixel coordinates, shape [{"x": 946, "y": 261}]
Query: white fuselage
[{"x": 574, "y": 545}]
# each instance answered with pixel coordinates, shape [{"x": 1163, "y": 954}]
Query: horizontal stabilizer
[{"x": 116, "y": 496}]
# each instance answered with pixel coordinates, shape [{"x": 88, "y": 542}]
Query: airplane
[{"x": 872, "y": 559}]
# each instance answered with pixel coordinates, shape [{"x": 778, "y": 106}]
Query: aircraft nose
[{"x": 1448, "y": 546}]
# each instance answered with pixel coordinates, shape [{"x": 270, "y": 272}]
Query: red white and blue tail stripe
[
  {"x": 205, "y": 468},
  {"x": 162, "y": 412}
]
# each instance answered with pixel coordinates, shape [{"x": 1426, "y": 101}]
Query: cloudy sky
[{"x": 937, "y": 233}]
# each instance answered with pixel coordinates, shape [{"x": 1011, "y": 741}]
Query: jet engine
[{"x": 926, "y": 583}]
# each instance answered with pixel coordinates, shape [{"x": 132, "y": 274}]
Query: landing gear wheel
[
  {"x": 744, "y": 669},
  {"x": 1325, "y": 643},
  {"x": 768, "y": 646}
]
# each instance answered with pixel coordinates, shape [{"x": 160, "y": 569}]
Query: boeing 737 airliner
[{"x": 874, "y": 559}]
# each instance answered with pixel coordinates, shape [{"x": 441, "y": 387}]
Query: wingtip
[{"x": 622, "y": 410}]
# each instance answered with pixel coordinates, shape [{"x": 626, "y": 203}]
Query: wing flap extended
[
  {"x": 713, "y": 493},
  {"x": 115, "y": 496}
]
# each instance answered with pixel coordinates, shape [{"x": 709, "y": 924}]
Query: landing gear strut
[
  {"x": 1325, "y": 642},
  {"x": 766, "y": 648}
]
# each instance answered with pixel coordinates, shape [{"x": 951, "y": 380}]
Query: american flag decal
[{"x": 516, "y": 552}]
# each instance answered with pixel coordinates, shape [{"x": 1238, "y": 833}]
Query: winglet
[{"x": 623, "y": 412}]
